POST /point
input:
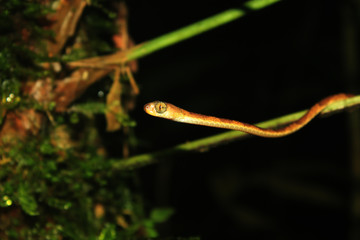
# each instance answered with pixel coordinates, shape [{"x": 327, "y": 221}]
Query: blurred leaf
[
  {"x": 159, "y": 215},
  {"x": 35, "y": 10},
  {"x": 150, "y": 229},
  {"x": 59, "y": 203},
  {"x": 108, "y": 232},
  {"x": 47, "y": 148},
  {"x": 90, "y": 108},
  {"x": 125, "y": 120},
  {"x": 27, "y": 201},
  {"x": 74, "y": 118},
  {"x": 113, "y": 102}
]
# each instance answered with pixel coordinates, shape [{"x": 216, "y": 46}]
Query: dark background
[{"x": 272, "y": 62}]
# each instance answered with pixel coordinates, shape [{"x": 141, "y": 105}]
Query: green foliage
[
  {"x": 17, "y": 20},
  {"x": 89, "y": 108},
  {"x": 17, "y": 61},
  {"x": 26, "y": 200},
  {"x": 29, "y": 9},
  {"x": 66, "y": 191},
  {"x": 108, "y": 233},
  {"x": 125, "y": 120},
  {"x": 46, "y": 147},
  {"x": 159, "y": 215}
]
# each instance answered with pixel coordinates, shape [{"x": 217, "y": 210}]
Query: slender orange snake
[{"x": 169, "y": 111}]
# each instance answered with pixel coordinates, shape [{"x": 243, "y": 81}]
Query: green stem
[
  {"x": 205, "y": 143},
  {"x": 148, "y": 47},
  {"x": 185, "y": 33},
  {"x": 195, "y": 29}
]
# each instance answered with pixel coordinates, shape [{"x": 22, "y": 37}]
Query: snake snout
[
  {"x": 149, "y": 109},
  {"x": 146, "y": 107}
]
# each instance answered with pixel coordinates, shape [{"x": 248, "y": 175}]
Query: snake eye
[{"x": 160, "y": 107}]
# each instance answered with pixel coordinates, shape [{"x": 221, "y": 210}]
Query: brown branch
[{"x": 66, "y": 18}]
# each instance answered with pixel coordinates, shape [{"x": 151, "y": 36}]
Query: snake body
[{"x": 169, "y": 111}]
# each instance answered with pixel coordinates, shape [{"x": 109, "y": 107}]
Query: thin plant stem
[
  {"x": 185, "y": 33},
  {"x": 168, "y": 39},
  {"x": 195, "y": 29}
]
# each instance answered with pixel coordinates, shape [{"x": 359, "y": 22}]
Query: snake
[{"x": 171, "y": 112}]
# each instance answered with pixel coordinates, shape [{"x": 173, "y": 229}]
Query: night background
[{"x": 274, "y": 61}]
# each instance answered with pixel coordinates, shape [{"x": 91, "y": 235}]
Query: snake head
[{"x": 157, "y": 109}]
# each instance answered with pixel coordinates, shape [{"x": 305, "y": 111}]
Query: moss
[
  {"x": 65, "y": 191},
  {"x": 20, "y": 31}
]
